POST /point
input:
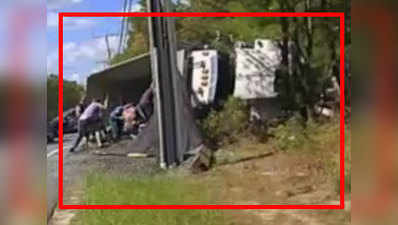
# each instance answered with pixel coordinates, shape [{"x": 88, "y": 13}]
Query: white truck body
[
  {"x": 204, "y": 75},
  {"x": 255, "y": 70}
]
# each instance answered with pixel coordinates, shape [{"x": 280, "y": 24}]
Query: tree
[
  {"x": 72, "y": 93},
  {"x": 138, "y": 41},
  {"x": 312, "y": 43}
]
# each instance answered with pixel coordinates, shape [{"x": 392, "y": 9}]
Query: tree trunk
[{"x": 309, "y": 32}]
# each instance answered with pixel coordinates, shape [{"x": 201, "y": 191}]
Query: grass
[
  {"x": 227, "y": 125},
  {"x": 168, "y": 189},
  {"x": 320, "y": 139},
  {"x": 347, "y": 161},
  {"x": 246, "y": 148}
]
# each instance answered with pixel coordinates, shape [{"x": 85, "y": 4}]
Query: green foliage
[
  {"x": 52, "y": 96},
  {"x": 334, "y": 167},
  {"x": 152, "y": 190},
  {"x": 227, "y": 125},
  {"x": 289, "y": 135},
  {"x": 204, "y": 30},
  {"x": 318, "y": 139},
  {"x": 294, "y": 135},
  {"x": 315, "y": 55},
  {"x": 315, "y": 41},
  {"x": 138, "y": 42},
  {"x": 347, "y": 161},
  {"x": 72, "y": 93}
]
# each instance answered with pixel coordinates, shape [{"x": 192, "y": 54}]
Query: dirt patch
[
  {"x": 274, "y": 179},
  {"x": 278, "y": 178}
]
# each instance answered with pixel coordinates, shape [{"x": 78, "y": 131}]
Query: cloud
[
  {"x": 73, "y": 23},
  {"x": 69, "y": 23},
  {"x": 94, "y": 49},
  {"x": 98, "y": 68},
  {"x": 75, "y": 77},
  {"x": 136, "y": 8},
  {"x": 58, "y": 4},
  {"x": 82, "y": 58}
]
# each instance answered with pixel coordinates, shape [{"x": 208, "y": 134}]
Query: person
[
  {"x": 145, "y": 106},
  {"x": 92, "y": 115},
  {"x": 80, "y": 107},
  {"x": 116, "y": 121},
  {"x": 129, "y": 117}
]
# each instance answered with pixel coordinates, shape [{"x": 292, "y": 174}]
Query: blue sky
[{"x": 84, "y": 42}]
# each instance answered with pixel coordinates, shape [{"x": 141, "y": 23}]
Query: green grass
[
  {"x": 168, "y": 189},
  {"x": 347, "y": 173},
  {"x": 318, "y": 139}
]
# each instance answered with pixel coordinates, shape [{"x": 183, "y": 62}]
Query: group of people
[{"x": 123, "y": 119}]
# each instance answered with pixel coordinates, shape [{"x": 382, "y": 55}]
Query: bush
[
  {"x": 289, "y": 135},
  {"x": 312, "y": 136},
  {"x": 347, "y": 173},
  {"x": 72, "y": 93},
  {"x": 320, "y": 139},
  {"x": 227, "y": 125}
]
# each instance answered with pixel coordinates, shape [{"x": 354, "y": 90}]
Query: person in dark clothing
[
  {"x": 116, "y": 120},
  {"x": 91, "y": 116},
  {"x": 79, "y": 109},
  {"x": 145, "y": 106}
]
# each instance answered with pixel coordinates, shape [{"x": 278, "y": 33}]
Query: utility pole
[
  {"x": 127, "y": 4},
  {"x": 109, "y": 52},
  {"x": 163, "y": 58},
  {"x": 108, "y": 48},
  {"x": 178, "y": 134}
]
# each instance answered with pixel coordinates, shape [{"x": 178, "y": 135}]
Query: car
[
  {"x": 69, "y": 125},
  {"x": 70, "y": 121},
  {"x": 52, "y": 132}
]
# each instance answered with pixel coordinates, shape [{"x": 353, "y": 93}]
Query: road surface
[{"x": 52, "y": 169}]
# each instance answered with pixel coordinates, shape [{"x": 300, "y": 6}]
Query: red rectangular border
[{"x": 276, "y": 14}]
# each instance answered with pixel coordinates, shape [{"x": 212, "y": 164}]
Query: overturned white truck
[
  {"x": 210, "y": 75},
  {"x": 252, "y": 76}
]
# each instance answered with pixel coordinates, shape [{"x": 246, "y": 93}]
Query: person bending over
[
  {"x": 117, "y": 122},
  {"x": 91, "y": 116}
]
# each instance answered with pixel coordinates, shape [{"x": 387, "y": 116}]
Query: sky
[{"x": 84, "y": 38}]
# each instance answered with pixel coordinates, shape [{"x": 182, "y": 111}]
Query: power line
[
  {"x": 127, "y": 27},
  {"x": 122, "y": 28}
]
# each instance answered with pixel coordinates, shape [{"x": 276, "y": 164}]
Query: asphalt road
[{"x": 52, "y": 170}]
